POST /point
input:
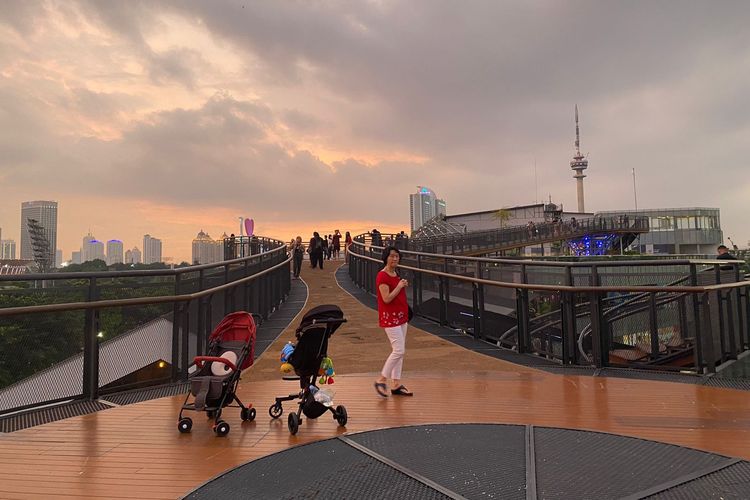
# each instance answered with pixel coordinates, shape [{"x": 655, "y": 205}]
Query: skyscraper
[
  {"x": 92, "y": 249},
  {"x": 114, "y": 252},
  {"x": 151, "y": 249},
  {"x": 133, "y": 256},
  {"x": 206, "y": 250},
  {"x": 424, "y": 205},
  {"x": 8, "y": 249},
  {"x": 45, "y": 213}
]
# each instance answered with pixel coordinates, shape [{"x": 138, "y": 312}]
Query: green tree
[{"x": 502, "y": 215}]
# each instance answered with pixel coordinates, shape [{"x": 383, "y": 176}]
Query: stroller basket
[{"x": 313, "y": 409}]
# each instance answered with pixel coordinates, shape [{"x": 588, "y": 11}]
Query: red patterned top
[{"x": 397, "y": 311}]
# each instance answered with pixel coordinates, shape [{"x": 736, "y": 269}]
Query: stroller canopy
[
  {"x": 236, "y": 327},
  {"x": 320, "y": 314}
]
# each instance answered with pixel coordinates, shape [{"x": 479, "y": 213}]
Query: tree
[{"x": 502, "y": 215}]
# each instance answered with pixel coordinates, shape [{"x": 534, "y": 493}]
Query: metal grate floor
[{"x": 483, "y": 461}]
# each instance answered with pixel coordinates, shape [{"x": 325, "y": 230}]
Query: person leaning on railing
[{"x": 723, "y": 254}]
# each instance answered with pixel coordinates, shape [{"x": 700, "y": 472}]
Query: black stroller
[
  {"x": 312, "y": 346},
  {"x": 231, "y": 349}
]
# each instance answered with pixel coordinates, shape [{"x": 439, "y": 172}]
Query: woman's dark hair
[{"x": 387, "y": 252}]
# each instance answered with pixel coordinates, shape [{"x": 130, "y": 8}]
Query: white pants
[{"x": 394, "y": 363}]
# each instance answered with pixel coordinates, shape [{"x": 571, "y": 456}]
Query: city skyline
[{"x": 162, "y": 118}]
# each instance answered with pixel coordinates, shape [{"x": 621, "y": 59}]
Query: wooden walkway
[{"x": 135, "y": 451}]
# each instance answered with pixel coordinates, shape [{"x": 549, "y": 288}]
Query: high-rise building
[
  {"x": 8, "y": 249},
  {"x": 45, "y": 213},
  {"x": 75, "y": 257},
  {"x": 58, "y": 258},
  {"x": 133, "y": 256},
  {"x": 206, "y": 250},
  {"x": 114, "y": 252},
  {"x": 151, "y": 249},
  {"x": 424, "y": 205},
  {"x": 92, "y": 249}
]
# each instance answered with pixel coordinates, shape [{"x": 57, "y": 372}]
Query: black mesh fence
[{"x": 48, "y": 356}]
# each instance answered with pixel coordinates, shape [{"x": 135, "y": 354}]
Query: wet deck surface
[{"x": 135, "y": 451}]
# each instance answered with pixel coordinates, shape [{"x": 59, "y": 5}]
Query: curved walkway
[{"x": 135, "y": 451}]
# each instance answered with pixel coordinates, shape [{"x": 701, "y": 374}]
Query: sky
[{"x": 168, "y": 117}]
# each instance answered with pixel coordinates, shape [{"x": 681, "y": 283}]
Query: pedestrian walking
[
  {"x": 316, "y": 249},
  {"x": 298, "y": 253}
]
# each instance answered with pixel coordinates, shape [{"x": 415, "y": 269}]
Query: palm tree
[{"x": 502, "y": 215}]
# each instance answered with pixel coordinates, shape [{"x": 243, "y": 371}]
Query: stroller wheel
[
  {"x": 185, "y": 424},
  {"x": 221, "y": 428},
  {"x": 276, "y": 410},
  {"x": 340, "y": 415},
  {"x": 293, "y": 423},
  {"x": 247, "y": 414}
]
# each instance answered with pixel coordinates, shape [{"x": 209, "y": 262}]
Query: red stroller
[
  {"x": 316, "y": 328},
  {"x": 231, "y": 349}
]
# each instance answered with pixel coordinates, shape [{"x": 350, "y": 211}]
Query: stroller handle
[
  {"x": 199, "y": 360},
  {"x": 329, "y": 320}
]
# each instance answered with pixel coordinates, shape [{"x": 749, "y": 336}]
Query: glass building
[{"x": 678, "y": 231}]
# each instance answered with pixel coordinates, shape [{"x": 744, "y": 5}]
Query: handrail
[
  {"x": 142, "y": 272},
  {"x": 568, "y": 288},
  {"x": 75, "y": 306},
  {"x": 544, "y": 263}
]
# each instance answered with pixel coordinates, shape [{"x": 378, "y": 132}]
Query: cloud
[{"x": 303, "y": 110}]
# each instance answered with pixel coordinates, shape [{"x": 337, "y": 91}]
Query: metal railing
[
  {"x": 86, "y": 334},
  {"x": 688, "y": 315},
  {"x": 495, "y": 240}
]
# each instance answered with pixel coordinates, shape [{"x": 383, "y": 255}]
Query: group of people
[
  {"x": 399, "y": 240},
  {"x": 319, "y": 248}
]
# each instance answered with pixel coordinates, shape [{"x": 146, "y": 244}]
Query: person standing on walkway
[
  {"x": 393, "y": 314},
  {"x": 347, "y": 242},
  {"x": 336, "y": 244},
  {"x": 315, "y": 249},
  {"x": 298, "y": 252}
]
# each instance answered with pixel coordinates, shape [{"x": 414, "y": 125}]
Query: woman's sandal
[
  {"x": 380, "y": 389},
  {"x": 401, "y": 391}
]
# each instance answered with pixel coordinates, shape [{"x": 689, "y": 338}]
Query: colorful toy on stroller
[
  {"x": 312, "y": 347},
  {"x": 231, "y": 349}
]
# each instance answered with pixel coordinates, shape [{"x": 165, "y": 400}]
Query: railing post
[
  {"x": 200, "y": 332},
  {"x": 418, "y": 288},
  {"x": 91, "y": 346},
  {"x": 720, "y": 312},
  {"x": 700, "y": 360},
  {"x": 176, "y": 330},
  {"x": 227, "y": 308},
  {"x": 524, "y": 312},
  {"x": 246, "y": 287},
  {"x": 597, "y": 331},
  {"x": 653, "y": 325},
  {"x": 475, "y": 310},
  {"x": 441, "y": 293},
  {"x": 447, "y": 295},
  {"x": 569, "y": 321},
  {"x": 731, "y": 330},
  {"x": 185, "y": 341},
  {"x": 707, "y": 339}
]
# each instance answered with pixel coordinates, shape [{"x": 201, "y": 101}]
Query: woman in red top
[{"x": 393, "y": 314}]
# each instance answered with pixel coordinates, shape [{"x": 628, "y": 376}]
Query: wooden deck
[{"x": 135, "y": 451}]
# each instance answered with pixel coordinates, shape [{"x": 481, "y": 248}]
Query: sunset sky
[{"x": 168, "y": 117}]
